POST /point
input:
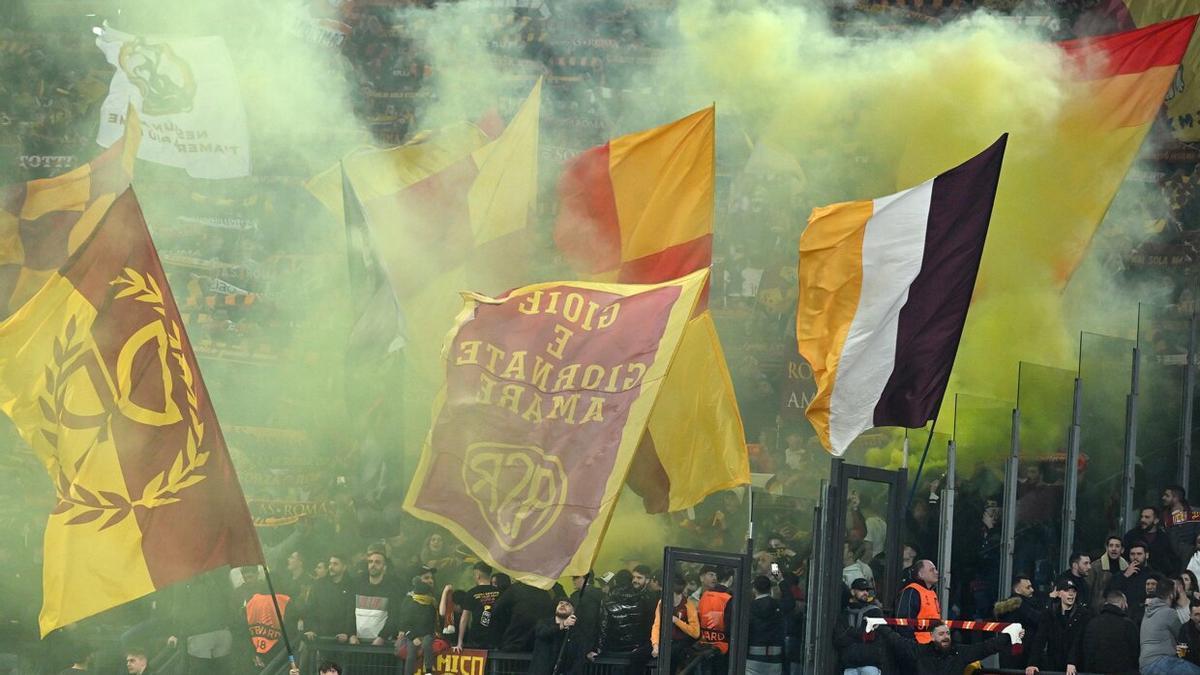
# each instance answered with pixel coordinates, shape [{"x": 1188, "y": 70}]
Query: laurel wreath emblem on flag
[{"x": 70, "y": 357}]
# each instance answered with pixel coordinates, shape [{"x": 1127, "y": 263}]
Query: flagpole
[
  {"x": 287, "y": 643},
  {"x": 920, "y": 467},
  {"x": 562, "y": 649}
]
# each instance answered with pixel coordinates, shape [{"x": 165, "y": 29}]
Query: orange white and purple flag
[{"x": 885, "y": 285}]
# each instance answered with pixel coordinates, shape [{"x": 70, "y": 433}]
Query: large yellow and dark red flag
[
  {"x": 99, "y": 378},
  {"x": 639, "y": 209},
  {"x": 547, "y": 393}
]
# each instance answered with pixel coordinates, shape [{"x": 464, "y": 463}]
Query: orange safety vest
[
  {"x": 931, "y": 608},
  {"x": 711, "y": 609},
  {"x": 264, "y": 625}
]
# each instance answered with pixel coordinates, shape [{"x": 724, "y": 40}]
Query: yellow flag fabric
[
  {"x": 379, "y": 173},
  {"x": 503, "y": 192},
  {"x": 446, "y": 212},
  {"x": 677, "y": 206},
  {"x": 43, "y": 222},
  {"x": 696, "y": 426},
  {"x": 639, "y": 209},
  {"x": 547, "y": 394}
]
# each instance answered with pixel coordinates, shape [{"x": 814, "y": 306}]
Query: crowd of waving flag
[{"x": 552, "y": 394}]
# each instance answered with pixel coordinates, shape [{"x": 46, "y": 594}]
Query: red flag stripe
[
  {"x": 672, "y": 263},
  {"x": 1135, "y": 51},
  {"x": 588, "y": 231}
]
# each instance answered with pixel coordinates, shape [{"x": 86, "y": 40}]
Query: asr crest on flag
[{"x": 548, "y": 391}]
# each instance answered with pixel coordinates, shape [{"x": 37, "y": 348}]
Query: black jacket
[
  {"x": 329, "y": 607},
  {"x": 1190, "y": 635},
  {"x": 626, "y": 620},
  {"x": 417, "y": 614},
  {"x": 766, "y": 623},
  {"x": 517, "y": 612},
  {"x": 548, "y": 640},
  {"x": 1110, "y": 643},
  {"x": 1134, "y": 587},
  {"x": 1059, "y": 637},
  {"x": 853, "y": 650},
  {"x": 930, "y": 660},
  {"x": 1182, "y": 536},
  {"x": 1158, "y": 545},
  {"x": 1022, "y": 610},
  {"x": 588, "y": 609}
]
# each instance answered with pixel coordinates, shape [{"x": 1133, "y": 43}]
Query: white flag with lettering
[{"x": 186, "y": 92}]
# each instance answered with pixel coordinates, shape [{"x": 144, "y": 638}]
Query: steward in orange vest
[
  {"x": 264, "y": 625},
  {"x": 714, "y": 610},
  {"x": 919, "y": 600}
]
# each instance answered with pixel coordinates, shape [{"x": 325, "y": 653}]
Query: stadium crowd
[
  {"x": 358, "y": 574},
  {"x": 1129, "y": 604}
]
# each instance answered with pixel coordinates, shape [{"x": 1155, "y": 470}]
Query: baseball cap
[
  {"x": 1065, "y": 584},
  {"x": 861, "y": 584}
]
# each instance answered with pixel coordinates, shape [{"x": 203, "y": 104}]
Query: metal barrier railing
[
  {"x": 1021, "y": 671},
  {"x": 371, "y": 660}
]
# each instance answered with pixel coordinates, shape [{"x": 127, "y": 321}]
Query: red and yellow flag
[
  {"x": 639, "y": 209},
  {"x": 448, "y": 211},
  {"x": 1183, "y": 96},
  {"x": 444, "y": 200},
  {"x": 99, "y": 378},
  {"x": 548, "y": 391},
  {"x": 43, "y": 222},
  {"x": 1121, "y": 81},
  {"x": 1056, "y": 189}
]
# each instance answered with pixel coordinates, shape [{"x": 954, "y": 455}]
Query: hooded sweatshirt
[{"x": 1160, "y": 625}]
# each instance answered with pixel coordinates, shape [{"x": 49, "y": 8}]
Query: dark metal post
[
  {"x": 1189, "y": 387},
  {"x": 1131, "y": 422},
  {"x": 920, "y": 467},
  {"x": 815, "y": 570},
  {"x": 946, "y": 531},
  {"x": 831, "y": 568},
  {"x": 1008, "y": 522},
  {"x": 1071, "y": 476}
]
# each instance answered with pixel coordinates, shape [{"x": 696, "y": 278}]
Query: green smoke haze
[{"x": 816, "y": 104}]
